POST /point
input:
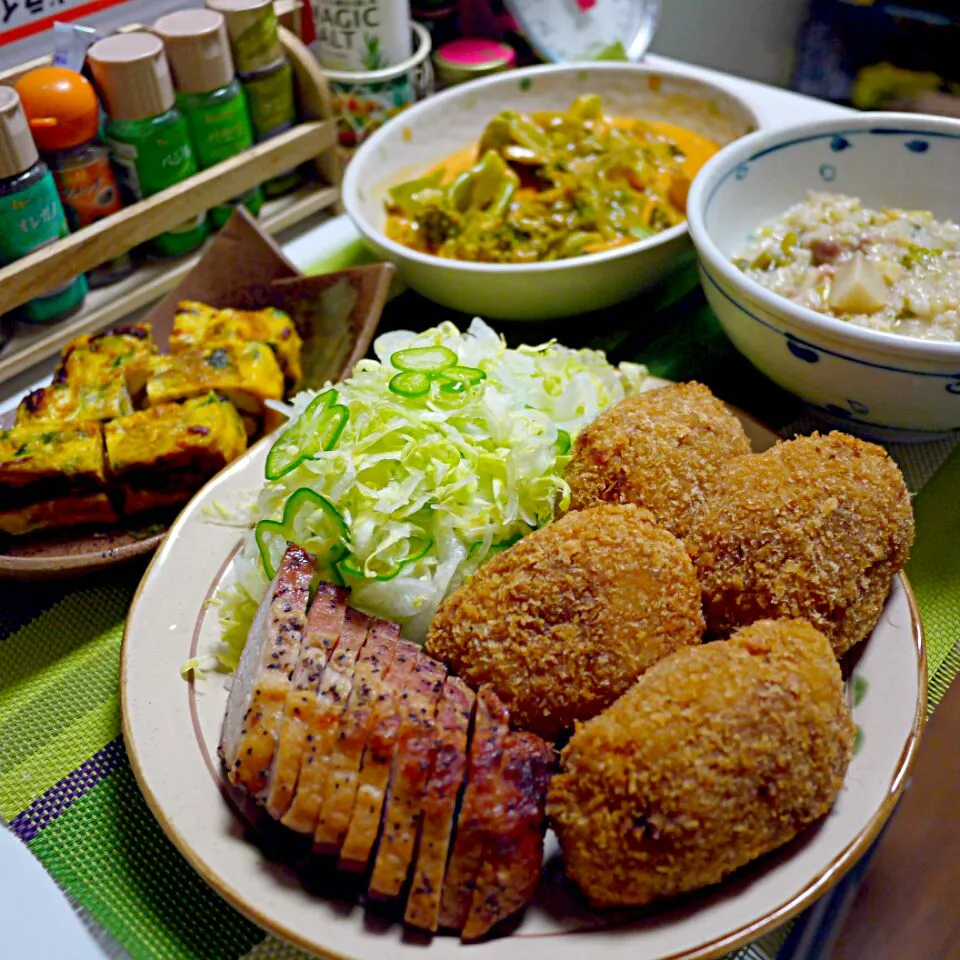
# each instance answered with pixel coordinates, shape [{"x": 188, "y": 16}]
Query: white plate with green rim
[{"x": 172, "y": 727}]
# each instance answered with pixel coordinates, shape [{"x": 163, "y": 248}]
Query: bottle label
[
  {"x": 89, "y": 191},
  {"x": 270, "y": 98},
  {"x": 29, "y": 219},
  {"x": 259, "y": 44},
  {"x": 362, "y": 34},
  {"x": 156, "y": 164},
  {"x": 220, "y": 131}
]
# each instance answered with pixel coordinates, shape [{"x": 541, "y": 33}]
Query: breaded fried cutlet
[
  {"x": 565, "y": 620},
  {"x": 720, "y": 753},
  {"x": 659, "y": 450},
  {"x": 814, "y": 527}
]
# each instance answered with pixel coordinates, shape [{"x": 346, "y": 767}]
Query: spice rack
[{"x": 311, "y": 140}]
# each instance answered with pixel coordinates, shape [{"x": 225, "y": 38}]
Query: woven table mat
[{"x": 67, "y": 788}]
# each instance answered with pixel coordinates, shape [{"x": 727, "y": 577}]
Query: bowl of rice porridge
[{"x": 830, "y": 253}]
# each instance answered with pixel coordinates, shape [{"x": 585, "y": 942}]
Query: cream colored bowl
[{"x": 428, "y": 133}]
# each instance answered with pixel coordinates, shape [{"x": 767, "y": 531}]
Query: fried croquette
[
  {"x": 815, "y": 527},
  {"x": 718, "y": 754},
  {"x": 658, "y": 450},
  {"x": 565, "y": 620}
]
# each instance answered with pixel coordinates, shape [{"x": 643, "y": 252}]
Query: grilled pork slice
[
  {"x": 324, "y": 625},
  {"x": 477, "y": 813},
  {"x": 323, "y": 724},
  {"x": 343, "y": 768},
  {"x": 251, "y": 726},
  {"x": 440, "y": 804},
  {"x": 416, "y": 746},
  {"x": 378, "y": 759},
  {"x": 513, "y": 852}
]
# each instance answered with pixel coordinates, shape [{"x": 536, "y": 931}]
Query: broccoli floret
[{"x": 438, "y": 226}]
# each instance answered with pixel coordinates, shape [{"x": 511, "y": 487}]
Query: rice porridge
[{"x": 891, "y": 270}]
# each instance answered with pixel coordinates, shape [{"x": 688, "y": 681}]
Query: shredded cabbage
[{"x": 429, "y": 487}]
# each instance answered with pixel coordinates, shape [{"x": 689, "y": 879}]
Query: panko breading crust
[
  {"x": 659, "y": 450},
  {"x": 565, "y": 620},
  {"x": 719, "y": 754},
  {"x": 814, "y": 527}
]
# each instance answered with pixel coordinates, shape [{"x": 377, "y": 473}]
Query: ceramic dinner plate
[{"x": 172, "y": 728}]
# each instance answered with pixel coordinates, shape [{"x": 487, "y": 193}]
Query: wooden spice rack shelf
[{"x": 311, "y": 140}]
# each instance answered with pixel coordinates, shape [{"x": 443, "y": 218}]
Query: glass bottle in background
[
  {"x": 31, "y": 215},
  {"x": 148, "y": 138},
  {"x": 265, "y": 73},
  {"x": 64, "y": 118},
  {"x": 209, "y": 95},
  {"x": 358, "y": 37}
]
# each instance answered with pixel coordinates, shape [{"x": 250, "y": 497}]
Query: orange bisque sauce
[{"x": 696, "y": 151}]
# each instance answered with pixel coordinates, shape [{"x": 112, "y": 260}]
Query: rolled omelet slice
[
  {"x": 163, "y": 455},
  {"x": 197, "y": 324},
  {"x": 125, "y": 350},
  {"x": 717, "y": 755},
  {"x": 63, "y": 402},
  {"x": 245, "y": 372},
  {"x": 52, "y": 476}
]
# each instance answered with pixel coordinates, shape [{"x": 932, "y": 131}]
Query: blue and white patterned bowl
[{"x": 881, "y": 385}]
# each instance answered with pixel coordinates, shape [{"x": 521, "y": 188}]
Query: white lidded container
[{"x": 362, "y": 35}]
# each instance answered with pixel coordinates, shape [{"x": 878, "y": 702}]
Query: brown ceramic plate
[{"x": 336, "y": 314}]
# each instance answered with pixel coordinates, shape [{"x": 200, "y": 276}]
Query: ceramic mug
[{"x": 365, "y": 101}]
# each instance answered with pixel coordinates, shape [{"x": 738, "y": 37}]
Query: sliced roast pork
[
  {"x": 513, "y": 852},
  {"x": 324, "y": 724},
  {"x": 358, "y": 739},
  {"x": 477, "y": 813},
  {"x": 440, "y": 804},
  {"x": 416, "y": 746},
  {"x": 324, "y": 624},
  {"x": 343, "y": 769},
  {"x": 251, "y": 726},
  {"x": 378, "y": 757}
]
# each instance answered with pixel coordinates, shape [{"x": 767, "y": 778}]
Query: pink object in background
[
  {"x": 586, "y": 5},
  {"x": 472, "y": 51}
]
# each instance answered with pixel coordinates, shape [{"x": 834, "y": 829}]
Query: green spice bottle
[
  {"x": 31, "y": 215},
  {"x": 147, "y": 136},
  {"x": 264, "y": 72},
  {"x": 209, "y": 95}
]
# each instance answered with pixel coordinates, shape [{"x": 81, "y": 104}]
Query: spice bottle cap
[
  {"x": 17, "y": 149},
  {"x": 132, "y": 75},
  {"x": 252, "y": 28},
  {"x": 197, "y": 48},
  {"x": 470, "y": 58},
  {"x": 61, "y": 107}
]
